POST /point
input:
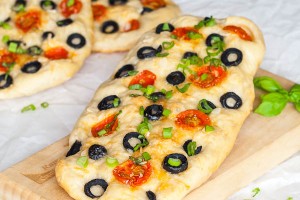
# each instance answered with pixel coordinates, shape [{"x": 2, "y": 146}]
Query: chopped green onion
[
  {"x": 166, "y": 112},
  {"x": 203, "y": 106},
  {"x": 5, "y": 39},
  {"x": 70, "y": 3},
  {"x": 135, "y": 95},
  {"x": 45, "y": 105},
  {"x": 102, "y": 132},
  {"x": 19, "y": 8},
  {"x": 184, "y": 88},
  {"x": 167, "y": 132},
  {"x": 191, "y": 148},
  {"x": 135, "y": 87},
  {"x": 13, "y": 47},
  {"x": 169, "y": 94},
  {"x": 116, "y": 102},
  {"x": 162, "y": 54},
  {"x": 289, "y": 198},
  {"x": 174, "y": 162},
  {"x": 192, "y": 35},
  {"x": 166, "y": 27},
  {"x": 204, "y": 77},
  {"x": 207, "y": 59},
  {"x": 146, "y": 156},
  {"x": 111, "y": 162},
  {"x": 195, "y": 60},
  {"x": 173, "y": 36},
  {"x": 209, "y": 128},
  {"x": 168, "y": 45},
  {"x": 141, "y": 110},
  {"x": 216, "y": 62},
  {"x": 255, "y": 191},
  {"x": 82, "y": 161},
  {"x": 210, "y": 22},
  {"x": 142, "y": 144},
  {"x": 28, "y": 108},
  {"x": 5, "y": 25},
  {"x": 149, "y": 90},
  {"x": 144, "y": 127},
  {"x": 132, "y": 72}
]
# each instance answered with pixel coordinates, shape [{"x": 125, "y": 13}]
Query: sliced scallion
[
  {"x": 167, "y": 132},
  {"x": 102, "y": 132},
  {"x": 135, "y": 87},
  {"x": 146, "y": 156},
  {"x": 166, "y": 112},
  {"x": 141, "y": 110},
  {"x": 204, "y": 107},
  {"x": 83, "y": 161},
  {"x": 184, "y": 88},
  {"x": 5, "y": 39},
  {"x": 166, "y": 27},
  {"x": 45, "y": 105},
  {"x": 30, "y": 107},
  {"x": 168, "y": 45},
  {"x": 174, "y": 162},
  {"x": 209, "y": 128},
  {"x": 116, "y": 102},
  {"x": 70, "y": 3},
  {"x": 132, "y": 72},
  {"x": 191, "y": 148},
  {"x": 111, "y": 162},
  {"x": 162, "y": 54},
  {"x": 204, "y": 77},
  {"x": 192, "y": 35}
]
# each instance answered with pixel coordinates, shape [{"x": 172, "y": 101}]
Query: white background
[{"x": 22, "y": 135}]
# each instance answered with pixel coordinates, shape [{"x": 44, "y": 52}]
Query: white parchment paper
[{"x": 22, "y": 135}]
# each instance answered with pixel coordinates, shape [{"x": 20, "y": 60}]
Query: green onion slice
[
  {"x": 209, "y": 128},
  {"x": 5, "y": 39},
  {"x": 111, "y": 162},
  {"x": 141, "y": 110},
  {"x": 149, "y": 90},
  {"x": 146, "y": 156},
  {"x": 168, "y": 45},
  {"x": 82, "y": 161},
  {"x": 184, "y": 88},
  {"x": 191, "y": 148},
  {"x": 167, "y": 132},
  {"x": 166, "y": 27},
  {"x": 45, "y": 105},
  {"x": 166, "y": 112},
  {"x": 162, "y": 54},
  {"x": 70, "y": 3},
  {"x": 116, "y": 102},
  {"x": 204, "y": 107},
  {"x": 30, "y": 107},
  {"x": 132, "y": 72},
  {"x": 174, "y": 162},
  {"x": 135, "y": 87},
  {"x": 102, "y": 132},
  {"x": 192, "y": 35}
]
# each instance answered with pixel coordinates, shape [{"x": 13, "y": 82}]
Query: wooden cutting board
[{"x": 262, "y": 144}]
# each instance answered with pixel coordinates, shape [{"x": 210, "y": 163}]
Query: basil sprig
[{"x": 275, "y": 101}]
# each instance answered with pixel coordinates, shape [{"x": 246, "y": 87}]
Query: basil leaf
[
  {"x": 294, "y": 94},
  {"x": 297, "y": 106},
  {"x": 268, "y": 84},
  {"x": 272, "y": 104}
]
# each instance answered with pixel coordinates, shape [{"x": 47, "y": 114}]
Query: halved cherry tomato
[
  {"x": 99, "y": 11},
  {"x": 56, "y": 53},
  {"x": 153, "y": 4},
  {"x": 132, "y": 174},
  {"x": 7, "y": 58},
  {"x": 28, "y": 20},
  {"x": 134, "y": 25},
  {"x": 182, "y": 32},
  {"x": 109, "y": 124},
  {"x": 191, "y": 119},
  {"x": 208, "y": 76},
  {"x": 143, "y": 78},
  {"x": 67, "y": 11},
  {"x": 239, "y": 31}
]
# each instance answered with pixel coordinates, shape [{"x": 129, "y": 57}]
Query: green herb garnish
[
  {"x": 168, "y": 45},
  {"x": 255, "y": 192},
  {"x": 209, "y": 128},
  {"x": 192, "y": 35},
  {"x": 30, "y": 107},
  {"x": 83, "y": 161},
  {"x": 162, "y": 54},
  {"x": 111, "y": 162},
  {"x": 167, "y": 132},
  {"x": 184, "y": 88},
  {"x": 166, "y": 112},
  {"x": 135, "y": 87},
  {"x": 70, "y": 3},
  {"x": 174, "y": 162},
  {"x": 132, "y": 72},
  {"x": 45, "y": 105},
  {"x": 207, "y": 22},
  {"x": 191, "y": 148}
]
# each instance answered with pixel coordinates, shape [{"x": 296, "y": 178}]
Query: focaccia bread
[
  {"x": 44, "y": 43},
  {"x": 118, "y": 24},
  {"x": 169, "y": 115}
]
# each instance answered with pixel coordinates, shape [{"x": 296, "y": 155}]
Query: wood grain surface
[{"x": 262, "y": 144}]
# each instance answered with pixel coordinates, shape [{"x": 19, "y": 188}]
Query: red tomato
[
  {"x": 67, "y": 11},
  {"x": 182, "y": 32},
  {"x": 239, "y": 31},
  {"x": 8, "y": 58},
  {"x": 134, "y": 25},
  {"x": 132, "y": 174},
  {"x": 56, "y": 53},
  {"x": 28, "y": 20},
  {"x": 153, "y": 4},
  {"x": 208, "y": 76},
  {"x": 109, "y": 124},
  {"x": 99, "y": 11},
  {"x": 143, "y": 78},
  {"x": 191, "y": 119}
]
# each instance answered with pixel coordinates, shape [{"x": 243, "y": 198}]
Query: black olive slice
[
  {"x": 154, "y": 112},
  {"x": 48, "y": 34},
  {"x": 64, "y": 22},
  {"x": 34, "y": 51},
  {"x": 151, "y": 195},
  {"x": 185, "y": 147},
  {"x": 146, "y": 10},
  {"x": 75, "y": 148},
  {"x": 148, "y": 52},
  {"x": 108, "y": 102},
  {"x": 109, "y": 27},
  {"x": 175, "y": 78},
  {"x": 155, "y": 96},
  {"x": 164, "y": 27},
  {"x": 209, "y": 39},
  {"x": 117, "y": 2},
  {"x": 31, "y": 67},
  {"x": 175, "y": 169},
  {"x": 76, "y": 41},
  {"x": 189, "y": 54},
  {"x": 123, "y": 71},
  {"x": 48, "y": 5},
  {"x": 19, "y": 5},
  {"x": 5, "y": 81},
  {"x": 126, "y": 141},
  {"x": 231, "y": 95},
  {"x": 97, "y": 151},
  {"x": 227, "y": 61},
  {"x": 95, "y": 182}
]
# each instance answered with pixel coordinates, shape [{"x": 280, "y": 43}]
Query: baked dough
[
  {"x": 122, "y": 14},
  {"x": 52, "y": 71},
  {"x": 216, "y": 144}
]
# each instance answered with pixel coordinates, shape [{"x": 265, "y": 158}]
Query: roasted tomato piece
[
  {"x": 191, "y": 119},
  {"x": 144, "y": 78},
  {"x": 67, "y": 10},
  {"x": 106, "y": 126},
  {"x": 132, "y": 174},
  {"x": 208, "y": 76},
  {"x": 56, "y": 53},
  {"x": 6, "y": 58},
  {"x": 183, "y": 32},
  {"x": 27, "y": 21},
  {"x": 239, "y": 31},
  {"x": 133, "y": 25},
  {"x": 99, "y": 11},
  {"x": 153, "y": 4}
]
